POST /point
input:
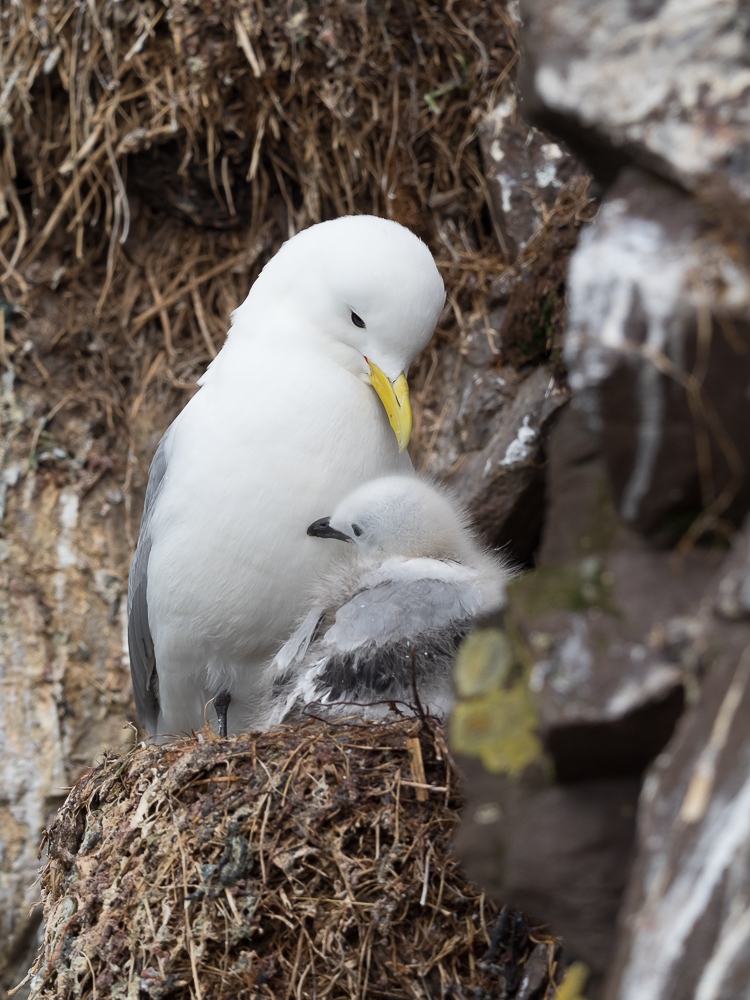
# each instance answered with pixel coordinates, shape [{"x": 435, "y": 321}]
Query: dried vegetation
[
  {"x": 155, "y": 155},
  {"x": 308, "y": 862}
]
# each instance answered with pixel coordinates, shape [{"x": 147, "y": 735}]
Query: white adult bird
[
  {"x": 391, "y": 611},
  {"x": 286, "y": 422}
]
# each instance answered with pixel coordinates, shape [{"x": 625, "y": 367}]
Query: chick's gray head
[{"x": 399, "y": 516}]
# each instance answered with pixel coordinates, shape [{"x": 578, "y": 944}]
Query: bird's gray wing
[
  {"x": 399, "y": 610},
  {"x": 382, "y": 641},
  {"x": 294, "y": 649},
  {"x": 140, "y": 643}
]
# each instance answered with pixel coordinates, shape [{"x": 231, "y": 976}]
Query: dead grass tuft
[{"x": 155, "y": 155}]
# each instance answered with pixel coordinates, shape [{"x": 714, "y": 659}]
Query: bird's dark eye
[
  {"x": 357, "y": 530},
  {"x": 357, "y": 320}
]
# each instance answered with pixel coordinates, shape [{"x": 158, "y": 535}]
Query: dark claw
[{"x": 221, "y": 704}]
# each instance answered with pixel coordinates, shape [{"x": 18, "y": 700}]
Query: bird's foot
[{"x": 221, "y": 704}]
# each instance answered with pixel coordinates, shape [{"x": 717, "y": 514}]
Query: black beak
[{"x": 322, "y": 529}]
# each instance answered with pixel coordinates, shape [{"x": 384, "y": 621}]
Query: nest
[{"x": 306, "y": 862}]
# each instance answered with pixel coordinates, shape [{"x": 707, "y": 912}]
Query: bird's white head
[
  {"x": 399, "y": 516},
  {"x": 364, "y": 290}
]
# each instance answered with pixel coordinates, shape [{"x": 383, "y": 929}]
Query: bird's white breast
[{"x": 257, "y": 456}]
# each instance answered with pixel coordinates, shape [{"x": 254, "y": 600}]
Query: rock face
[
  {"x": 503, "y": 482},
  {"x": 66, "y": 690},
  {"x": 657, "y": 349},
  {"x": 501, "y": 394},
  {"x": 606, "y": 662},
  {"x": 501, "y": 398},
  {"x": 609, "y": 671},
  {"x": 661, "y": 84},
  {"x": 629, "y": 641},
  {"x": 525, "y": 171},
  {"x": 686, "y": 921}
]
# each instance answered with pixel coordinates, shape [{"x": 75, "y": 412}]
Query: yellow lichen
[
  {"x": 495, "y": 718},
  {"x": 571, "y": 988},
  {"x": 483, "y": 662}
]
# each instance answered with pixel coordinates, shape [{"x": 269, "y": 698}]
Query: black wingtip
[{"x": 322, "y": 529}]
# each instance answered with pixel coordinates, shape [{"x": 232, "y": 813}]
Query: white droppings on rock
[
  {"x": 650, "y": 788},
  {"x": 8, "y": 381},
  {"x": 538, "y": 676},
  {"x": 506, "y": 186},
  {"x": 514, "y": 11},
  {"x": 68, "y": 520},
  {"x": 496, "y": 151},
  {"x": 575, "y": 662},
  {"x": 674, "y": 83},
  {"x": 12, "y": 474},
  {"x": 66, "y": 556},
  {"x": 503, "y": 109},
  {"x": 625, "y": 264},
  {"x": 658, "y": 682},
  {"x": 551, "y": 151},
  {"x": 123, "y": 614},
  {"x": 519, "y": 449},
  {"x": 734, "y": 940},
  {"x": 547, "y": 175},
  {"x": 621, "y": 260},
  {"x": 663, "y": 928},
  {"x": 8, "y": 480},
  {"x": 702, "y": 782}
]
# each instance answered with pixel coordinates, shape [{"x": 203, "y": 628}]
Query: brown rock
[
  {"x": 660, "y": 84},
  {"x": 685, "y": 928},
  {"x": 502, "y": 484},
  {"x": 568, "y": 860},
  {"x": 658, "y": 351},
  {"x": 611, "y": 661},
  {"x": 525, "y": 170},
  {"x": 609, "y": 629},
  {"x": 66, "y": 689},
  {"x": 733, "y": 593},
  {"x": 561, "y": 854}
]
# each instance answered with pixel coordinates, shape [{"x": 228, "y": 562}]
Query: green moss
[
  {"x": 484, "y": 662},
  {"x": 583, "y": 585}
]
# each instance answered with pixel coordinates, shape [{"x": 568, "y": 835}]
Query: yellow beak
[{"x": 395, "y": 398}]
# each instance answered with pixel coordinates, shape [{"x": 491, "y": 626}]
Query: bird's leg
[{"x": 221, "y": 704}]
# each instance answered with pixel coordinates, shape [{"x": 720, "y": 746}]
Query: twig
[{"x": 417, "y": 768}]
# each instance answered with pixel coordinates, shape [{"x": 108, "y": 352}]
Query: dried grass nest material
[
  {"x": 245, "y": 121},
  {"x": 308, "y": 861}
]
